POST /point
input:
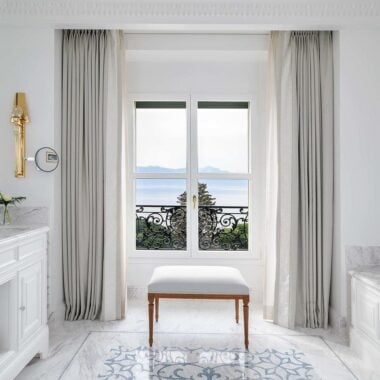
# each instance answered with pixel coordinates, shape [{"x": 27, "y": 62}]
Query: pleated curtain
[
  {"x": 92, "y": 174},
  {"x": 299, "y": 207}
]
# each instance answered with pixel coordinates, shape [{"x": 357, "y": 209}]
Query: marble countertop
[
  {"x": 369, "y": 275},
  {"x": 13, "y": 231}
]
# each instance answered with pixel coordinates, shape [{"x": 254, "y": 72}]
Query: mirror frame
[{"x": 36, "y": 161}]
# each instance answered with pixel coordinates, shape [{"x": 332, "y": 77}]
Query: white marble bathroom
[{"x": 189, "y": 189}]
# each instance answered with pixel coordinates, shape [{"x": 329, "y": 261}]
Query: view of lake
[{"x": 166, "y": 191}]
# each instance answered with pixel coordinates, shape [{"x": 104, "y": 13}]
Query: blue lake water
[{"x": 166, "y": 191}]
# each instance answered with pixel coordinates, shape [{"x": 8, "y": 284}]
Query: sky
[{"x": 222, "y": 138}]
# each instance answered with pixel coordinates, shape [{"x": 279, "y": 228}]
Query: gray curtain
[
  {"x": 313, "y": 66},
  {"x": 300, "y": 175},
  {"x": 90, "y": 175}
]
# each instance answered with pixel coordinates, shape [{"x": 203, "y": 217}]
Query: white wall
[
  {"x": 360, "y": 136},
  {"x": 205, "y": 64},
  {"x": 29, "y": 58},
  {"x": 358, "y": 148},
  {"x": 27, "y": 64}
]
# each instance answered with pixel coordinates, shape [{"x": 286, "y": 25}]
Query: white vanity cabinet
[
  {"x": 23, "y": 298},
  {"x": 365, "y": 315}
]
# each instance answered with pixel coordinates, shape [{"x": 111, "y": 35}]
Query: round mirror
[{"x": 46, "y": 159}]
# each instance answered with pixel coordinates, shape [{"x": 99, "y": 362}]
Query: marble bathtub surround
[
  {"x": 80, "y": 350},
  {"x": 357, "y": 258},
  {"x": 369, "y": 275},
  {"x": 361, "y": 256},
  {"x": 365, "y": 319}
]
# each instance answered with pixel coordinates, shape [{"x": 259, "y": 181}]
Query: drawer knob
[{"x": 22, "y": 308}]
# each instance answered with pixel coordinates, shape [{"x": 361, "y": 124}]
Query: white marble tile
[
  {"x": 350, "y": 357},
  {"x": 79, "y": 347}
]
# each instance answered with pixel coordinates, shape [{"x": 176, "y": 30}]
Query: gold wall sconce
[{"x": 19, "y": 118}]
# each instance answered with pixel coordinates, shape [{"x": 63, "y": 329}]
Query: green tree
[{"x": 204, "y": 197}]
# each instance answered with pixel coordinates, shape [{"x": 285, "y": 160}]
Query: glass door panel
[
  {"x": 161, "y": 214},
  {"x": 161, "y": 129},
  {"x": 223, "y": 137},
  {"x": 223, "y": 215}
]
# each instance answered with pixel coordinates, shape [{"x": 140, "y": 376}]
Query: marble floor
[{"x": 197, "y": 332}]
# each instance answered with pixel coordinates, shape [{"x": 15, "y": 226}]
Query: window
[{"x": 201, "y": 148}]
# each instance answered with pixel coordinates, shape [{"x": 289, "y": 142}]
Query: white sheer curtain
[
  {"x": 114, "y": 260},
  {"x": 92, "y": 174},
  {"x": 299, "y": 221},
  {"x": 282, "y": 185}
]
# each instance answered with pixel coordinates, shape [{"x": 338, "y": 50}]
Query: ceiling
[{"x": 239, "y": 16}]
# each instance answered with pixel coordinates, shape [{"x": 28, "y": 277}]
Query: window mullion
[{"x": 193, "y": 211}]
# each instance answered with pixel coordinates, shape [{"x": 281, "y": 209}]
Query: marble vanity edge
[{"x": 32, "y": 231}]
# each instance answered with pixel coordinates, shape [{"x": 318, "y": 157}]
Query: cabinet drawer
[
  {"x": 7, "y": 256},
  {"x": 30, "y": 247}
]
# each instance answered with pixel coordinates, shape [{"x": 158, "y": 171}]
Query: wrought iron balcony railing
[{"x": 219, "y": 227}]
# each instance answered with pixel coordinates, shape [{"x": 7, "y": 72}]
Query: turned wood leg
[
  {"x": 157, "y": 304},
  {"x": 237, "y": 310},
  {"x": 151, "y": 309},
  {"x": 246, "y": 320}
]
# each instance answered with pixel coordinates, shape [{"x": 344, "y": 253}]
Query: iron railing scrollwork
[
  {"x": 161, "y": 227},
  {"x": 223, "y": 228},
  {"x": 219, "y": 227}
]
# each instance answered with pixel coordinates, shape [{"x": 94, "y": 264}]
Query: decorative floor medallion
[{"x": 176, "y": 363}]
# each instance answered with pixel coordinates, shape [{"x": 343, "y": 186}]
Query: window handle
[{"x": 194, "y": 201}]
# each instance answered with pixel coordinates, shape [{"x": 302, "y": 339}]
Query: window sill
[{"x": 220, "y": 255}]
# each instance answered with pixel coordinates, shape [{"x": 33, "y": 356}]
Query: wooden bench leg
[
  {"x": 151, "y": 309},
  {"x": 157, "y": 304},
  {"x": 246, "y": 320},
  {"x": 237, "y": 310}
]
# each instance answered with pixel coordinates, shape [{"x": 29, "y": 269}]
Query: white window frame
[{"x": 191, "y": 177}]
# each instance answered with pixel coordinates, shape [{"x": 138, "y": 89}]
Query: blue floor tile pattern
[{"x": 176, "y": 363}]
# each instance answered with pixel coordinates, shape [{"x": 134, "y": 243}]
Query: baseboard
[
  {"x": 338, "y": 324},
  {"x": 58, "y": 314},
  {"x": 268, "y": 312},
  {"x": 137, "y": 292}
]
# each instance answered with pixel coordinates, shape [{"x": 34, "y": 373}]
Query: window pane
[
  {"x": 223, "y": 215},
  {"x": 160, "y": 214},
  {"x": 223, "y": 138},
  {"x": 160, "y": 137}
]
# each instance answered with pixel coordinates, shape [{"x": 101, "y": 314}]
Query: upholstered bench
[{"x": 198, "y": 282}]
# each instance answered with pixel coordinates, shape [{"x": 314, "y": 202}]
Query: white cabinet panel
[
  {"x": 23, "y": 307},
  {"x": 30, "y": 296},
  {"x": 365, "y": 321},
  {"x": 367, "y": 311}
]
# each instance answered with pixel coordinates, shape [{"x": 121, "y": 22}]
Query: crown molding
[{"x": 119, "y": 13}]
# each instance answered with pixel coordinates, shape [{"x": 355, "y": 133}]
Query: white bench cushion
[{"x": 186, "y": 279}]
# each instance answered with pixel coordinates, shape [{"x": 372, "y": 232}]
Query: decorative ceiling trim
[{"x": 196, "y": 11}]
